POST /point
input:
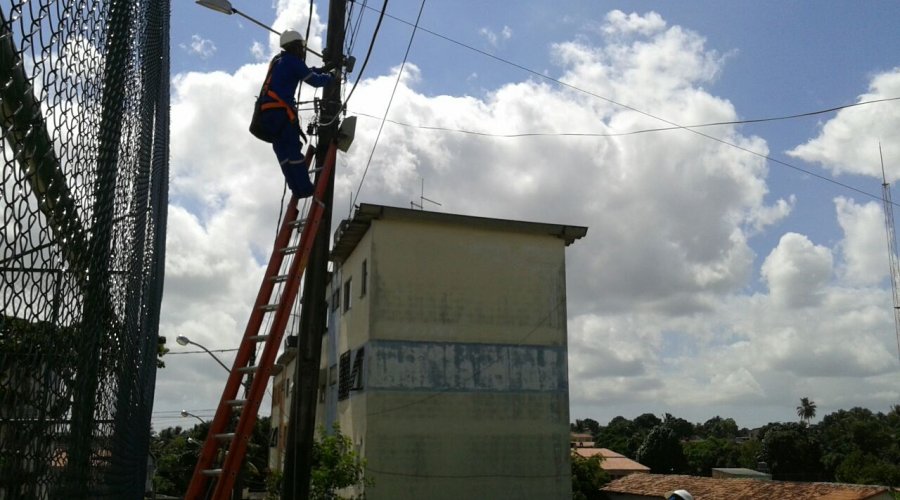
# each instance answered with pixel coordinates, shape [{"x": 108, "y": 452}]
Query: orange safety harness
[{"x": 278, "y": 101}]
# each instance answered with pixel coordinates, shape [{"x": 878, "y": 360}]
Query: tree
[
  {"x": 587, "y": 425},
  {"x": 703, "y": 456},
  {"x": 588, "y": 477},
  {"x": 683, "y": 429},
  {"x": 662, "y": 452},
  {"x": 718, "y": 427},
  {"x": 620, "y": 435},
  {"x": 335, "y": 465},
  {"x": 807, "y": 410},
  {"x": 792, "y": 452}
]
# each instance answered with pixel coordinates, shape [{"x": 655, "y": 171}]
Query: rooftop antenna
[
  {"x": 892, "y": 246},
  {"x": 422, "y": 199}
]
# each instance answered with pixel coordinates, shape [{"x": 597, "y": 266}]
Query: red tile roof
[
  {"x": 706, "y": 488},
  {"x": 612, "y": 461}
]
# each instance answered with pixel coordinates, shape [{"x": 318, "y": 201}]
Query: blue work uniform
[{"x": 279, "y": 119}]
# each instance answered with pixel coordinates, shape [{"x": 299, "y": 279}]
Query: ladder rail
[
  {"x": 199, "y": 480},
  {"x": 247, "y": 420}
]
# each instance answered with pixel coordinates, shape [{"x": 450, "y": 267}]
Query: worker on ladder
[{"x": 275, "y": 119}]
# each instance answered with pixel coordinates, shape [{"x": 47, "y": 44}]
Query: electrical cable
[
  {"x": 412, "y": 37},
  {"x": 369, "y": 51},
  {"x": 636, "y": 110},
  {"x": 627, "y": 133}
]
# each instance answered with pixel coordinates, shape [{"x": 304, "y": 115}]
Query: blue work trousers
[{"x": 287, "y": 147}]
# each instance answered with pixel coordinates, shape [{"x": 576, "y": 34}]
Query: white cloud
[
  {"x": 797, "y": 271},
  {"x": 864, "y": 245},
  {"x": 200, "y": 46},
  {"x": 494, "y": 38},
  {"x": 848, "y": 143}
]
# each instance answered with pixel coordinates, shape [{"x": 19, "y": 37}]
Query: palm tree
[{"x": 807, "y": 410}]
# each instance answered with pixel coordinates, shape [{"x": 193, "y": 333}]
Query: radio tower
[{"x": 892, "y": 247}]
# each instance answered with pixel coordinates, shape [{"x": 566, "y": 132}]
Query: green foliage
[
  {"x": 718, "y": 427},
  {"x": 792, "y": 452},
  {"x": 662, "y": 451},
  {"x": 336, "y": 465},
  {"x": 807, "y": 410},
  {"x": 621, "y": 436},
  {"x": 588, "y": 477},
  {"x": 702, "y": 456},
  {"x": 161, "y": 350},
  {"x": 586, "y": 425},
  {"x": 853, "y": 446},
  {"x": 682, "y": 428}
]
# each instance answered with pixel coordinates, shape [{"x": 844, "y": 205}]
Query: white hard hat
[
  {"x": 289, "y": 36},
  {"x": 679, "y": 495}
]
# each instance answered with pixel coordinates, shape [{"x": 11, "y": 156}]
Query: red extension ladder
[{"x": 235, "y": 440}]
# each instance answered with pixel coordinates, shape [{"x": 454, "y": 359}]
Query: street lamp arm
[{"x": 211, "y": 354}]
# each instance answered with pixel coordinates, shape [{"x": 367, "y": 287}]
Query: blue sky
[{"x": 712, "y": 282}]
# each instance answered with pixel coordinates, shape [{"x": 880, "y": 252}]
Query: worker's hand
[{"x": 330, "y": 66}]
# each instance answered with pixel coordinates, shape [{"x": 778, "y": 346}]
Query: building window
[
  {"x": 273, "y": 439},
  {"x": 363, "y": 285},
  {"x": 345, "y": 381},
  {"x": 347, "y": 294},
  {"x": 336, "y": 300},
  {"x": 356, "y": 375}
]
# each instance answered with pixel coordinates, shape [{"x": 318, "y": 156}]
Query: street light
[
  {"x": 185, "y": 413},
  {"x": 224, "y": 6},
  {"x": 182, "y": 340}
]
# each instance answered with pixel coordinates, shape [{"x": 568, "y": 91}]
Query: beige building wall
[{"x": 462, "y": 322}]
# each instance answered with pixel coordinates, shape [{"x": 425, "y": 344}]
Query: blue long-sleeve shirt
[{"x": 287, "y": 73}]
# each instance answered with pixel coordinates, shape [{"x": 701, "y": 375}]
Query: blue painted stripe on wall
[{"x": 469, "y": 367}]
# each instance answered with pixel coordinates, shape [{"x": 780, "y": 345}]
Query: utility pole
[{"x": 301, "y": 427}]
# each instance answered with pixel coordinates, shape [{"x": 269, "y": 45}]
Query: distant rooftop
[
  {"x": 351, "y": 231},
  {"x": 707, "y": 488},
  {"x": 612, "y": 461}
]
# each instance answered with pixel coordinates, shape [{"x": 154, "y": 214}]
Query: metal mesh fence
[{"x": 84, "y": 119}]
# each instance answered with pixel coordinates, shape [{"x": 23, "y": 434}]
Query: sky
[{"x": 727, "y": 270}]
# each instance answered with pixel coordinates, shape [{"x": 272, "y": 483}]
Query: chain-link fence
[{"x": 84, "y": 119}]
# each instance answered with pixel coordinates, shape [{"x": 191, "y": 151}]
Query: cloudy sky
[{"x": 728, "y": 270}]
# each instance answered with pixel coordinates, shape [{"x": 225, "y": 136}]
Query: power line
[
  {"x": 368, "y": 52},
  {"x": 626, "y": 133},
  {"x": 636, "y": 110},
  {"x": 412, "y": 36}
]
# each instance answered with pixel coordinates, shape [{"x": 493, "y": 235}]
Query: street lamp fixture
[
  {"x": 182, "y": 340},
  {"x": 224, "y": 6},
  {"x": 185, "y": 413}
]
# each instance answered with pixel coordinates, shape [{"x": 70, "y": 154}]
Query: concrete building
[{"x": 446, "y": 353}]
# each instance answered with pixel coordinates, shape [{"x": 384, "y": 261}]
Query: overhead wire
[
  {"x": 637, "y": 110},
  {"x": 626, "y": 133},
  {"x": 412, "y": 37}
]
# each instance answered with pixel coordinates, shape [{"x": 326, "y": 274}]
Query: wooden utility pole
[{"x": 301, "y": 426}]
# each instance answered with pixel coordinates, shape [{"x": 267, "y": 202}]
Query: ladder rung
[
  {"x": 289, "y": 250},
  {"x": 258, "y": 338},
  {"x": 248, "y": 369},
  {"x": 225, "y": 436},
  {"x": 298, "y": 223},
  {"x": 212, "y": 472},
  {"x": 236, "y": 402},
  {"x": 281, "y": 278},
  {"x": 269, "y": 307}
]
